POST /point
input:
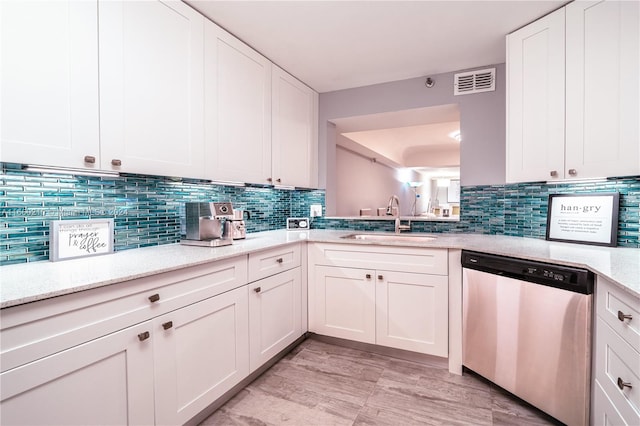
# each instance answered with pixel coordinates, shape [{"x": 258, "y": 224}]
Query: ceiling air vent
[{"x": 477, "y": 81}]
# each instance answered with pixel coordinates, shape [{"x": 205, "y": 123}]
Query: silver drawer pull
[
  {"x": 622, "y": 316},
  {"x": 143, "y": 336},
  {"x": 573, "y": 172},
  {"x": 622, "y": 384}
]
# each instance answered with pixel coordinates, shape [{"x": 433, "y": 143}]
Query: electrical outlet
[{"x": 316, "y": 210}]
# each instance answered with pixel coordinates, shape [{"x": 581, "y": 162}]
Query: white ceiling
[
  {"x": 332, "y": 45},
  {"x": 411, "y": 138}
]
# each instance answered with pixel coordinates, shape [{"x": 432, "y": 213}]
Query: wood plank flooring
[{"x": 323, "y": 384}]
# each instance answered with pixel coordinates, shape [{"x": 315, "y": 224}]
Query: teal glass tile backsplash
[
  {"x": 147, "y": 210},
  {"x": 516, "y": 209}
]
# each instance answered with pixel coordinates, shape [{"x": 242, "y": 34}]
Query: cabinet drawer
[
  {"x": 613, "y": 302},
  {"x": 269, "y": 262},
  {"x": 617, "y": 360},
  {"x": 35, "y": 330},
  {"x": 400, "y": 259}
]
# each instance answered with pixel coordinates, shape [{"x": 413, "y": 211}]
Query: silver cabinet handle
[
  {"x": 554, "y": 173},
  {"x": 89, "y": 159},
  {"x": 143, "y": 336},
  {"x": 279, "y": 260},
  {"x": 368, "y": 276},
  {"x": 573, "y": 172},
  {"x": 167, "y": 325},
  {"x": 257, "y": 289},
  {"x": 622, "y": 384},
  {"x": 622, "y": 316},
  {"x": 154, "y": 298},
  {"x": 116, "y": 162}
]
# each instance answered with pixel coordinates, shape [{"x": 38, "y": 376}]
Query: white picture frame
[
  {"x": 453, "y": 192},
  {"x": 72, "y": 239}
]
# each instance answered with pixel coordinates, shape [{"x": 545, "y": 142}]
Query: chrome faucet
[
  {"x": 390, "y": 205},
  {"x": 399, "y": 227}
]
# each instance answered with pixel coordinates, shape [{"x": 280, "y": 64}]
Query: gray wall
[
  {"x": 482, "y": 123},
  {"x": 365, "y": 184}
]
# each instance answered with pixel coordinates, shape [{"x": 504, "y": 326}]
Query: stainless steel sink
[{"x": 390, "y": 237}]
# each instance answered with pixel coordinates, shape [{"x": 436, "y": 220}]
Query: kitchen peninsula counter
[{"x": 30, "y": 282}]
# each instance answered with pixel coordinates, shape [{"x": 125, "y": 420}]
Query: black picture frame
[{"x": 584, "y": 218}]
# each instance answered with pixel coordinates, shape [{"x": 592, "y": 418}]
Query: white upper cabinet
[
  {"x": 294, "y": 132},
  {"x": 603, "y": 88},
  {"x": 49, "y": 83},
  {"x": 582, "y": 121},
  {"x": 535, "y": 100},
  {"x": 237, "y": 109},
  {"x": 151, "y": 88}
]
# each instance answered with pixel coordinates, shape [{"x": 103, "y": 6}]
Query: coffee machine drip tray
[{"x": 216, "y": 242}]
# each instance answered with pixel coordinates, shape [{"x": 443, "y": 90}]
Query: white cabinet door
[
  {"x": 412, "y": 312},
  {"x": 104, "y": 381},
  {"x": 237, "y": 109},
  {"x": 201, "y": 351},
  {"x": 345, "y": 304},
  {"x": 617, "y": 362},
  {"x": 535, "y": 100},
  {"x": 151, "y": 88},
  {"x": 294, "y": 132},
  {"x": 275, "y": 307},
  {"x": 49, "y": 83},
  {"x": 603, "y": 88},
  {"x": 603, "y": 411}
]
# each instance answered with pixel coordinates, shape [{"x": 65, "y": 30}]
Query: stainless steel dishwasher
[{"x": 527, "y": 328}]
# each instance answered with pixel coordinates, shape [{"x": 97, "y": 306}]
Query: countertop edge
[{"x": 588, "y": 257}]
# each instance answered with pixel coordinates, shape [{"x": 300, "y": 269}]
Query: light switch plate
[{"x": 298, "y": 223}]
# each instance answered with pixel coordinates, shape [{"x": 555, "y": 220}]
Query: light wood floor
[{"x": 323, "y": 384}]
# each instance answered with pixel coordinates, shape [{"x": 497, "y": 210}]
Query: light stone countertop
[{"x": 29, "y": 282}]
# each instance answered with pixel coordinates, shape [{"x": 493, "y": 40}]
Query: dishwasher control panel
[
  {"x": 564, "y": 277},
  {"x": 547, "y": 273}
]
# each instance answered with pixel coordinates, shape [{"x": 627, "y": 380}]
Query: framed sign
[
  {"x": 70, "y": 239},
  {"x": 584, "y": 218},
  {"x": 453, "y": 193}
]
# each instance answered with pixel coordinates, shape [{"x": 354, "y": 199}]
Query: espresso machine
[{"x": 205, "y": 224}]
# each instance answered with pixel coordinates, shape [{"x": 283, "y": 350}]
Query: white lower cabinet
[
  {"x": 275, "y": 311},
  {"x": 604, "y": 411},
  {"x": 199, "y": 331},
  {"x": 78, "y": 360},
  {"x": 617, "y": 357},
  {"x": 412, "y": 312},
  {"x": 345, "y": 303},
  {"x": 200, "y": 352},
  {"x": 403, "y": 306},
  {"x": 108, "y": 381}
]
